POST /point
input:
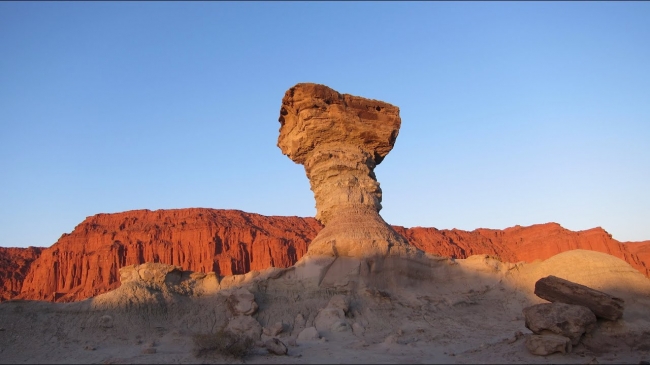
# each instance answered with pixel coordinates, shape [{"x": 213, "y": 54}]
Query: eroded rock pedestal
[{"x": 340, "y": 138}]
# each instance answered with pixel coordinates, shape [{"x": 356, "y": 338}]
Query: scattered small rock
[
  {"x": 274, "y": 330},
  {"x": 340, "y": 326},
  {"x": 390, "y": 339},
  {"x": 515, "y": 337},
  {"x": 149, "y": 350},
  {"x": 358, "y": 329},
  {"x": 548, "y": 344},
  {"x": 89, "y": 348},
  {"x": 276, "y": 347},
  {"x": 106, "y": 321},
  {"x": 308, "y": 334}
]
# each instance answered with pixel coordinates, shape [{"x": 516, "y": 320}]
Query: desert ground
[{"x": 431, "y": 310}]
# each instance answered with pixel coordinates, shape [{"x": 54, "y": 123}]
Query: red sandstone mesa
[{"x": 85, "y": 262}]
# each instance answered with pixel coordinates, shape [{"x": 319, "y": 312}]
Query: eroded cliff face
[
  {"x": 14, "y": 265},
  {"x": 642, "y": 252},
  {"x": 86, "y": 262},
  {"x": 536, "y": 242}
]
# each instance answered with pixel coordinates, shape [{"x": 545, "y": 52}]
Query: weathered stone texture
[
  {"x": 339, "y": 139},
  {"x": 567, "y": 320},
  {"x": 556, "y": 289}
]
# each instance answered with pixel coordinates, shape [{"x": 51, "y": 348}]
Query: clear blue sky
[{"x": 512, "y": 112}]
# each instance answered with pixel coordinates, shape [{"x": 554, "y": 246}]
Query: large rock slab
[
  {"x": 571, "y": 321},
  {"x": 556, "y": 289}
]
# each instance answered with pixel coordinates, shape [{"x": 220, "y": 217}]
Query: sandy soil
[{"x": 453, "y": 311}]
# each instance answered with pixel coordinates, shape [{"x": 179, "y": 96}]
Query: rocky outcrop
[
  {"x": 339, "y": 139},
  {"x": 14, "y": 266},
  {"x": 86, "y": 262},
  {"x": 559, "y": 290}
]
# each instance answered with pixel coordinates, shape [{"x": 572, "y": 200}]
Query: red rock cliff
[
  {"x": 528, "y": 244},
  {"x": 14, "y": 265},
  {"x": 85, "y": 262}
]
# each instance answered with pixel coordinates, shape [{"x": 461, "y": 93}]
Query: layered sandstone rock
[
  {"x": 339, "y": 139},
  {"x": 14, "y": 266},
  {"x": 536, "y": 242},
  {"x": 86, "y": 262}
]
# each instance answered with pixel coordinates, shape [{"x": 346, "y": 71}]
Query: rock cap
[{"x": 312, "y": 115}]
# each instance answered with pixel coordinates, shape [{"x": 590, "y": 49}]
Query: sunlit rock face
[{"x": 339, "y": 139}]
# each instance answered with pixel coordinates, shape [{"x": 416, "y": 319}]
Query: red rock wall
[
  {"x": 528, "y": 244},
  {"x": 14, "y": 265},
  {"x": 642, "y": 251},
  {"x": 86, "y": 262}
]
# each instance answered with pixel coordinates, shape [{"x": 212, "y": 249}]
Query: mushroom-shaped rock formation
[{"x": 340, "y": 138}]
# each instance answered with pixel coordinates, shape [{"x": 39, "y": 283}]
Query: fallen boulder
[
  {"x": 603, "y": 305},
  {"x": 276, "y": 346},
  {"x": 308, "y": 334},
  {"x": 567, "y": 320},
  {"x": 242, "y": 302}
]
